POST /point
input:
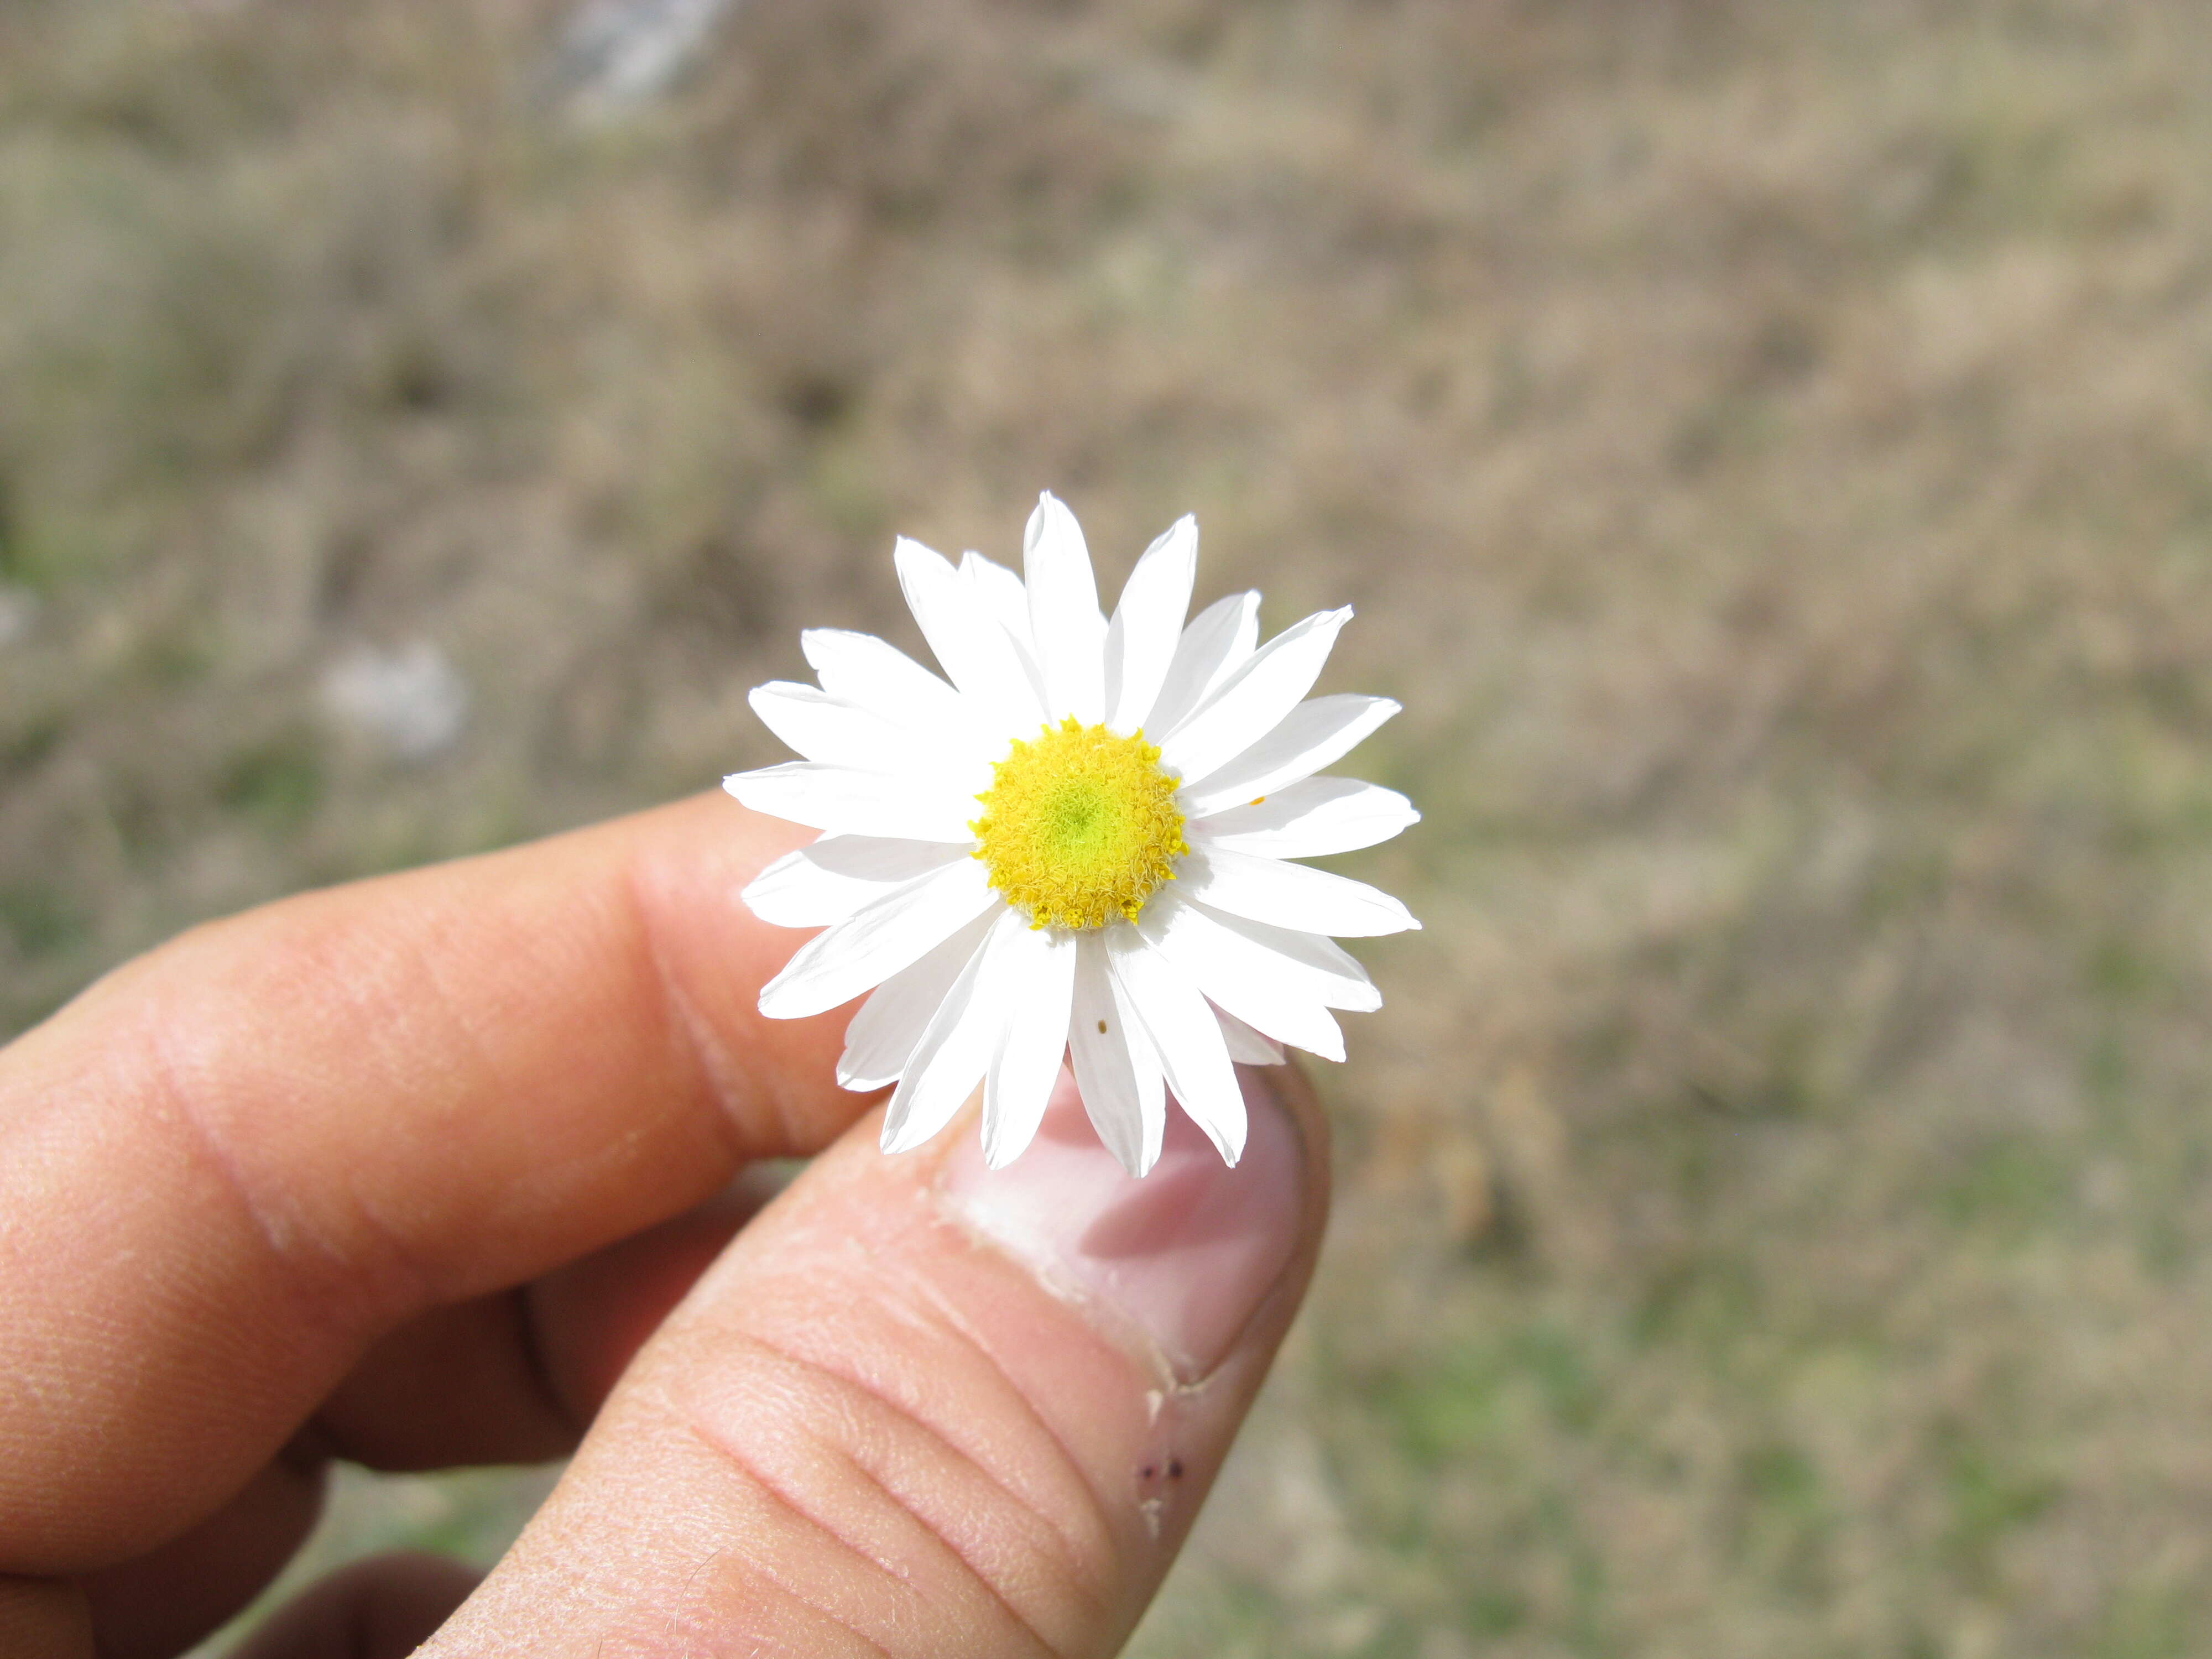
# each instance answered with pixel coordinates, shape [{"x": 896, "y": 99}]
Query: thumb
[{"x": 923, "y": 1407}]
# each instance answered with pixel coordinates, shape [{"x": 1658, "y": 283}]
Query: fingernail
[{"x": 1185, "y": 1255}]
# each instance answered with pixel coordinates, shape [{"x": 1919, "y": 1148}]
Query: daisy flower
[{"x": 1076, "y": 849}]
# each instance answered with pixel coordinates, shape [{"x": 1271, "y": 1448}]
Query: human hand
[{"x": 438, "y": 1169}]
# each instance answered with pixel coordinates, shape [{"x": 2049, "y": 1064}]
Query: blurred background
[{"x": 1764, "y": 441}]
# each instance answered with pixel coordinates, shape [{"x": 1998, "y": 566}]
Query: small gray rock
[{"x": 617, "y": 55}]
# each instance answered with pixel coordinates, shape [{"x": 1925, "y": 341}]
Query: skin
[{"x": 448, "y": 1167}]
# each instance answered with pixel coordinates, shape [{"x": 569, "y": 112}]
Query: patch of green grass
[
  {"x": 1991, "y": 1497},
  {"x": 1789, "y": 1520},
  {"x": 1488, "y": 1390},
  {"x": 1708, "y": 1305},
  {"x": 42, "y": 919},
  {"x": 2121, "y": 969},
  {"x": 2012, "y": 1188},
  {"x": 1584, "y": 1622},
  {"x": 1782, "y": 1477},
  {"x": 278, "y": 785},
  {"x": 2149, "y": 1622},
  {"x": 38, "y": 738},
  {"x": 2106, "y": 1075},
  {"x": 30, "y": 557},
  {"x": 1493, "y": 1611},
  {"x": 11, "y": 565}
]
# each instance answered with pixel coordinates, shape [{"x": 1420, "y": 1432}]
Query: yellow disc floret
[{"x": 1079, "y": 826}]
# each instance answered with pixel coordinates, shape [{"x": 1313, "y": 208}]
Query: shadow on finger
[{"x": 381, "y": 1608}]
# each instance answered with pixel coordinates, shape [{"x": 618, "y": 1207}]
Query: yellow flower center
[{"x": 1079, "y": 826}]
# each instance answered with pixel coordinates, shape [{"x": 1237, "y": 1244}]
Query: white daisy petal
[
  {"x": 1318, "y": 731},
  {"x": 1107, "y": 1071},
  {"x": 948, "y": 810},
  {"x": 1293, "y": 895},
  {"x": 1002, "y": 596},
  {"x": 1185, "y": 1036},
  {"x": 1254, "y": 700},
  {"x": 956, "y": 1047},
  {"x": 1064, "y": 616},
  {"x": 1042, "y": 987},
  {"x": 1217, "y": 642},
  {"x": 1330, "y": 974},
  {"x": 1246, "y": 1046},
  {"x": 876, "y": 675},
  {"x": 787, "y": 888},
  {"x": 1147, "y": 625},
  {"x": 1297, "y": 1022},
  {"x": 882, "y": 1037},
  {"x": 1260, "y": 988},
  {"x": 861, "y": 952},
  {"x": 875, "y": 859},
  {"x": 1152, "y": 1084},
  {"x": 975, "y": 651},
  {"x": 823, "y": 884},
  {"x": 842, "y": 801},
  {"x": 1309, "y": 819},
  {"x": 836, "y": 733}
]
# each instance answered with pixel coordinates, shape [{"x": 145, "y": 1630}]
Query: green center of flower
[{"x": 1079, "y": 826}]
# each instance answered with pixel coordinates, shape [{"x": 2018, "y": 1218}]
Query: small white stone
[{"x": 410, "y": 699}]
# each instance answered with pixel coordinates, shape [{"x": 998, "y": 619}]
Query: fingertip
[
  {"x": 924, "y": 1405},
  {"x": 171, "y": 1597}
]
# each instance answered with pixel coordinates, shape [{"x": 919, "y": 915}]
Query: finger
[
  {"x": 510, "y": 1378},
  {"x": 591, "y": 1317},
  {"x": 42, "y": 1620},
  {"x": 381, "y": 1608},
  {"x": 163, "y": 1603},
  {"x": 923, "y": 1407},
  {"x": 514, "y": 1378},
  {"x": 456, "y": 1386},
  {"x": 229, "y": 1167}
]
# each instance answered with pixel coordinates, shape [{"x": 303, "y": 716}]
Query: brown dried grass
[{"x": 1765, "y": 445}]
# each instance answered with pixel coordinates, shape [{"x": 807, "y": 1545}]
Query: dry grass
[{"x": 1764, "y": 441}]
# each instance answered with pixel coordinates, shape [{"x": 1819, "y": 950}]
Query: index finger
[{"x": 229, "y": 1167}]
